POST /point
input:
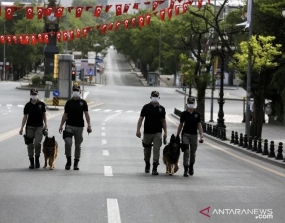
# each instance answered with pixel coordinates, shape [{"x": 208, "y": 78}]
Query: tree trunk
[
  {"x": 201, "y": 102},
  {"x": 258, "y": 116},
  {"x": 144, "y": 69}
]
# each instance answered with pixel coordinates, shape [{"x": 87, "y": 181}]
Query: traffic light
[
  {"x": 73, "y": 75},
  {"x": 73, "y": 72},
  {"x": 55, "y": 66}
]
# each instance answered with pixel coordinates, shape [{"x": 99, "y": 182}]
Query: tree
[{"x": 264, "y": 56}]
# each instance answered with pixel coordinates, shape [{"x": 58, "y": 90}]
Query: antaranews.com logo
[{"x": 257, "y": 213}]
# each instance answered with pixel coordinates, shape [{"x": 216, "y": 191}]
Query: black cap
[
  {"x": 155, "y": 94},
  {"x": 76, "y": 88},
  {"x": 191, "y": 100},
  {"x": 34, "y": 91}
]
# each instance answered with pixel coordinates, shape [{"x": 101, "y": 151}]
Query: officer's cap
[{"x": 155, "y": 94}]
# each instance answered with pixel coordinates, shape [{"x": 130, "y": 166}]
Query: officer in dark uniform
[
  {"x": 190, "y": 122},
  {"x": 154, "y": 115},
  {"x": 73, "y": 116},
  {"x": 34, "y": 116}
]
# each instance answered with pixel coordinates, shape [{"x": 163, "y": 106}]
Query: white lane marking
[
  {"x": 104, "y": 141},
  {"x": 103, "y": 128},
  {"x": 103, "y": 134},
  {"x": 118, "y": 111},
  {"x": 105, "y": 153},
  {"x": 9, "y": 105},
  {"x": 108, "y": 171},
  {"x": 85, "y": 94},
  {"x": 98, "y": 109},
  {"x": 129, "y": 111},
  {"x": 111, "y": 117},
  {"x": 169, "y": 91},
  {"x": 113, "y": 211},
  {"x": 107, "y": 110},
  {"x": 236, "y": 156},
  {"x": 21, "y": 106},
  {"x": 247, "y": 160}
]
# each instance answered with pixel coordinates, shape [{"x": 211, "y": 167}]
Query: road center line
[
  {"x": 108, "y": 171},
  {"x": 104, "y": 141},
  {"x": 14, "y": 132},
  {"x": 103, "y": 134},
  {"x": 113, "y": 211},
  {"x": 103, "y": 128},
  {"x": 105, "y": 153}
]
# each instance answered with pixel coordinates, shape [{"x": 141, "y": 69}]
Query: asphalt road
[{"x": 111, "y": 185}]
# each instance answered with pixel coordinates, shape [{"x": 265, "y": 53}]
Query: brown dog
[
  {"x": 171, "y": 153},
  {"x": 50, "y": 150}
]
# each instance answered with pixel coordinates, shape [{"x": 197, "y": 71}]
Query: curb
[
  {"x": 259, "y": 156},
  {"x": 232, "y": 99}
]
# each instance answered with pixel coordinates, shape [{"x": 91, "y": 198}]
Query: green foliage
[
  {"x": 84, "y": 2},
  {"x": 264, "y": 53},
  {"x": 36, "y": 81}
]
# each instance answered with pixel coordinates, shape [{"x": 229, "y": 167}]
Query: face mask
[
  {"x": 191, "y": 106},
  {"x": 75, "y": 94},
  {"x": 34, "y": 97},
  {"x": 154, "y": 99}
]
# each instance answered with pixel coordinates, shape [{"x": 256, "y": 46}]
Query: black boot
[
  {"x": 32, "y": 165},
  {"x": 75, "y": 166},
  {"x": 154, "y": 169},
  {"x": 186, "y": 171},
  {"x": 147, "y": 166},
  {"x": 68, "y": 164},
  {"x": 191, "y": 169},
  {"x": 37, "y": 162}
]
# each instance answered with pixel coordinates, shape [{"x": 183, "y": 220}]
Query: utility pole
[
  {"x": 249, "y": 69},
  {"x": 4, "y": 54}
]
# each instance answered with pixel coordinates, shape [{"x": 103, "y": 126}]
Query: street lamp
[
  {"x": 221, "y": 50},
  {"x": 283, "y": 13},
  {"x": 4, "y": 53},
  {"x": 96, "y": 46},
  {"x": 159, "y": 52}
]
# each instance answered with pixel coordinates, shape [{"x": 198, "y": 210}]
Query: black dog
[{"x": 171, "y": 153}]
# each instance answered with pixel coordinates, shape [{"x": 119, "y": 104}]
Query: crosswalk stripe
[
  {"x": 20, "y": 106},
  {"x": 129, "y": 111},
  {"x": 118, "y": 110},
  {"x": 107, "y": 110}
]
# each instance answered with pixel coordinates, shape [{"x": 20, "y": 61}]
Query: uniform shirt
[
  {"x": 35, "y": 113},
  {"x": 74, "y": 110},
  {"x": 153, "y": 118},
  {"x": 190, "y": 122}
]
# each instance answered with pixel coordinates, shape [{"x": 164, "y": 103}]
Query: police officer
[
  {"x": 154, "y": 115},
  {"x": 34, "y": 116},
  {"x": 190, "y": 122},
  {"x": 73, "y": 116}
]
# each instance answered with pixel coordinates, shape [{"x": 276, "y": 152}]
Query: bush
[{"x": 36, "y": 81}]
